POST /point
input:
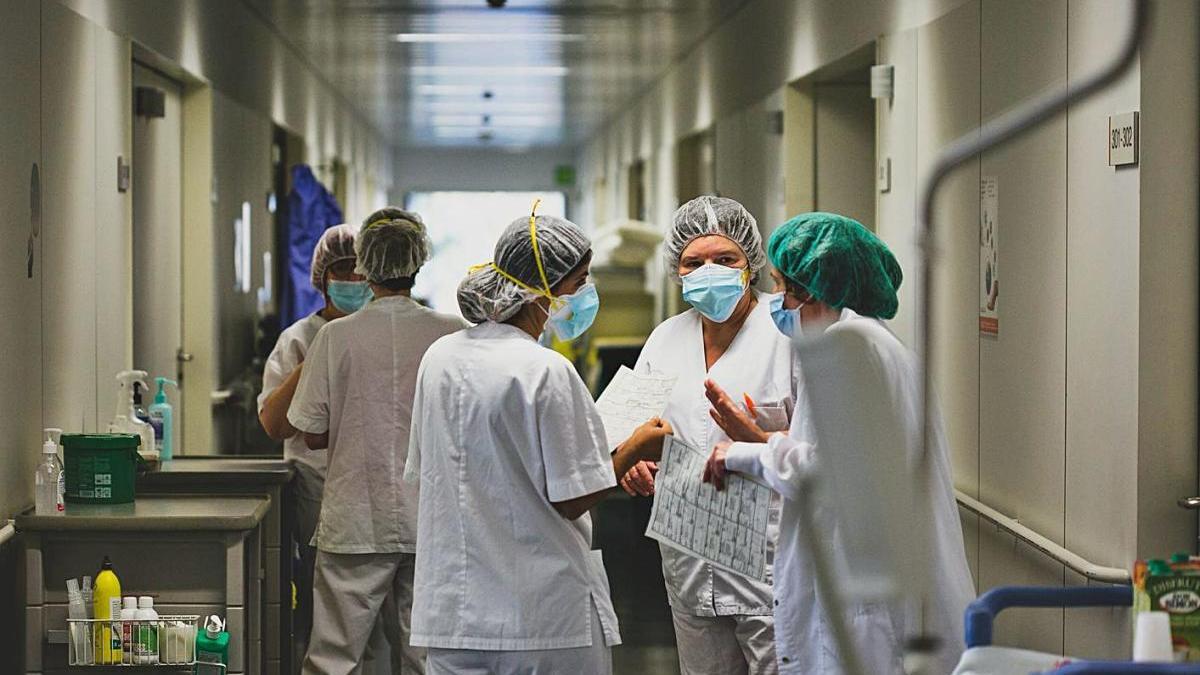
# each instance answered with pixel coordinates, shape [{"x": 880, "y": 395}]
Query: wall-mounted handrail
[
  {"x": 7, "y": 532},
  {"x": 1073, "y": 561}
]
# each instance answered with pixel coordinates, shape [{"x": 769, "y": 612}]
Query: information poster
[{"x": 989, "y": 257}]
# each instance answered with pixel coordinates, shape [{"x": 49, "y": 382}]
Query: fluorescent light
[
  {"x": 529, "y": 71},
  {"x": 457, "y": 38},
  {"x": 495, "y": 121},
  {"x": 506, "y": 91}
]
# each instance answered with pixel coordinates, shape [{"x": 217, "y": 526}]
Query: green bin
[{"x": 101, "y": 468}]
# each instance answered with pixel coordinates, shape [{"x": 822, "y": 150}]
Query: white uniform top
[
  {"x": 289, "y": 352},
  {"x": 503, "y": 427},
  {"x": 803, "y": 641},
  {"x": 759, "y": 363},
  {"x": 358, "y": 385}
]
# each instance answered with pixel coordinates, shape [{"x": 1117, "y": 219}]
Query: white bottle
[
  {"x": 49, "y": 480},
  {"x": 81, "y": 645},
  {"x": 146, "y": 650},
  {"x": 129, "y": 630}
]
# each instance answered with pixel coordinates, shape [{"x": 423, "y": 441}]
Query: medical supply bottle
[
  {"x": 106, "y": 599},
  {"x": 146, "y": 640},
  {"x": 129, "y": 637},
  {"x": 49, "y": 480},
  {"x": 212, "y": 646},
  {"x": 125, "y": 421},
  {"x": 162, "y": 420}
]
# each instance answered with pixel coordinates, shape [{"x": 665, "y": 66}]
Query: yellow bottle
[{"x": 107, "y": 605}]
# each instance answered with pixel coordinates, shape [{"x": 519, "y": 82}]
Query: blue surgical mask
[
  {"x": 575, "y": 313},
  {"x": 786, "y": 320},
  {"x": 714, "y": 290},
  {"x": 348, "y": 296}
]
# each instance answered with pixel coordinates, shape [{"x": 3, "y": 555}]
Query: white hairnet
[
  {"x": 392, "y": 247},
  {"x": 336, "y": 243},
  {"x": 487, "y": 294},
  {"x": 709, "y": 215}
]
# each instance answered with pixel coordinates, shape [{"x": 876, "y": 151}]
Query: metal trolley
[{"x": 981, "y": 615}]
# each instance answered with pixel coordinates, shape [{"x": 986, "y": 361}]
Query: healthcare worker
[
  {"x": 510, "y": 453},
  {"x": 345, "y": 292},
  {"x": 832, "y": 272},
  {"x": 355, "y": 396},
  {"x": 723, "y": 620}
]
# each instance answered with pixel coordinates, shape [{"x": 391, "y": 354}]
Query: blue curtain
[{"x": 311, "y": 210}]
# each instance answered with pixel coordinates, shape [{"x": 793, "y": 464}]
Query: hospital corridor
[{"x": 600, "y": 337}]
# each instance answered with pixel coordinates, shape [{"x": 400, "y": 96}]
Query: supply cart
[{"x": 982, "y": 658}]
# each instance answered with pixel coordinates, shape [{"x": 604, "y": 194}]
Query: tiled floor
[{"x": 635, "y": 575}]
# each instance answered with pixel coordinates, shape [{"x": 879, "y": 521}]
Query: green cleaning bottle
[
  {"x": 212, "y": 647},
  {"x": 162, "y": 419}
]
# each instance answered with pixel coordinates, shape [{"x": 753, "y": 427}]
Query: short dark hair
[{"x": 400, "y": 283}]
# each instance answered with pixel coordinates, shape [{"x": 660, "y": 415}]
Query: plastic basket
[{"x": 165, "y": 641}]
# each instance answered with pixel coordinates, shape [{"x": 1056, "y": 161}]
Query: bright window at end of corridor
[{"x": 464, "y": 227}]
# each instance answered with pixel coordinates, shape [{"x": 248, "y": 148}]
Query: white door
[{"x": 157, "y": 237}]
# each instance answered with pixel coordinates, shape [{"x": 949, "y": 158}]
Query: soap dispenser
[{"x": 161, "y": 419}]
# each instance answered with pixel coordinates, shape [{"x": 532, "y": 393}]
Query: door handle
[
  {"x": 1190, "y": 503},
  {"x": 184, "y": 357}
]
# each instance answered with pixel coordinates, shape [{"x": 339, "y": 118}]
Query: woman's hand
[
  {"x": 733, "y": 421},
  {"x": 714, "y": 468},
  {"x": 647, "y": 440},
  {"x": 639, "y": 481}
]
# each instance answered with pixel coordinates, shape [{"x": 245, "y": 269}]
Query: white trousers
[
  {"x": 593, "y": 660},
  {"x": 350, "y": 592},
  {"x": 725, "y": 645}
]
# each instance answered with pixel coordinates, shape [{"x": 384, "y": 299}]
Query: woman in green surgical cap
[{"x": 832, "y": 274}]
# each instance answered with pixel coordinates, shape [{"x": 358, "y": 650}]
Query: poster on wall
[{"x": 989, "y": 258}]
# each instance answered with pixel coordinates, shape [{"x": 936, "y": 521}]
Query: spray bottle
[
  {"x": 162, "y": 420},
  {"x": 125, "y": 421}
]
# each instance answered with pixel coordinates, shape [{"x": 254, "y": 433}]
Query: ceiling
[{"x": 457, "y": 73}]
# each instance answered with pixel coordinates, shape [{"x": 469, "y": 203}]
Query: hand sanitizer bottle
[{"x": 49, "y": 480}]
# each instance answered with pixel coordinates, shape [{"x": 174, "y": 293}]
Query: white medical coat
[
  {"x": 502, "y": 428},
  {"x": 288, "y": 353},
  {"x": 759, "y": 363},
  {"x": 358, "y": 384},
  {"x": 803, "y": 640}
]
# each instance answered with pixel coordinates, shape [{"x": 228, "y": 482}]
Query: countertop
[
  {"x": 155, "y": 513},
  {"x": 225, "y": 470}
]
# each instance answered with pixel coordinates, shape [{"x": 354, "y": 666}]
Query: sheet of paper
[
  {"x": 630, "y": 399},
  {"x": 726, "y": 528}
]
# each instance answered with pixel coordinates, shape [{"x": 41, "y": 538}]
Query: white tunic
[
  {"x": 803, "y": 641},
  {"x": 357, "y": 384},
  {"x": 759, "y": 363},
  {"x": 502, "y": 428},
  {"x": 289, "y": 352}
]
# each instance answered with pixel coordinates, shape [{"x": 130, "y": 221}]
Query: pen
[{"x": 750, "y": 407}]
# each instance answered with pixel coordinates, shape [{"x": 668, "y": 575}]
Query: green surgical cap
[{"x": 840, "y": 262}]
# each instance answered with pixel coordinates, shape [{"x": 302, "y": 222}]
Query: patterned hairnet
[
  {"x": 840, "y": 262},
  {"x": 486, "y": 294},
  {"x": 337, "y": 243},
  {"x": 392, "y": 247},
  {"x": 708, "y": 215}
]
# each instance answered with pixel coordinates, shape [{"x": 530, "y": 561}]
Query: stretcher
[{"x": 983, "y": 658}]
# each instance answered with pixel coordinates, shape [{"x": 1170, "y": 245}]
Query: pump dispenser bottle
[
  {"x": 49, "y": 481},
  {"x": 162, "y": 420}
]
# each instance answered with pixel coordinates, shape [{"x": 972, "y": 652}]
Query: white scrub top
[
  {"x": 759, "y": 363},
  {"x": 357, "y": 384},
  {"x": 289, "y": 352},
  {"x": 803, "y": 641},
  {"x": 502, "y": 428}
]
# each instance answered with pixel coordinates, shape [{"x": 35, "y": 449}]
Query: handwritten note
[
  {"x": 729, "y": 529},
  {"x": 630, "y": 399}
]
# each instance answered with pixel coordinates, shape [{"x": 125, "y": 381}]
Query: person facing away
[
  {"x": 355, "y": 397},
  {"x": 723, "y": 621},
  {"x": 345, "y": 292},
  {"x": 832, "y": 274},
  {"x": 510, "y": 453}
]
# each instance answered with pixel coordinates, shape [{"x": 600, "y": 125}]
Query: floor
[{"x": 635, "y": 576}]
